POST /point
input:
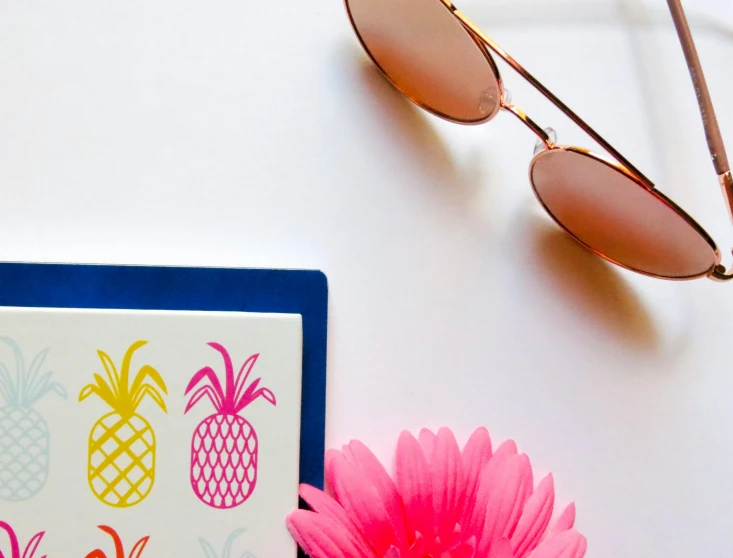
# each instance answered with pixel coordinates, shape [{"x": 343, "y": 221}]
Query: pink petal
[
  {"x": 427, "y": 442},
  {"x": 328, "y": 469},
  {"x": 507, "y": 448},
  {"x": 568, "y": 544},
  {"x": 565, "y": 521},
  {"x": 474, "y": 523},
  {"x": 373, "y": 470},
  {"x": 323, "y": 504},
  {"x": 476, "y": 455},
  {"x": 452, "y": 541},
  {"x": 415, "y": 486},
  {"x": 417, "y": 550},
  {"x": 361, "y": 501},
  {"x": 581, "y": 548},
  {"x": 536, "y": 517},
  {"x": 474, "y": 515},
  {"x": 466, "y": 550},
  {"x": 501, "y": 549},
  {"x": 393, "y": 552},
  {"x": 525, "y": 491},
  {"x": 506, "y": 482},
  {"x": 530, "y": 478},
  {"x": 448, "y": 480},
  {"x": 321, "y": 537}
]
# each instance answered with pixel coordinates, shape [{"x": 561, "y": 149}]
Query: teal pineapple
[
  {"x": 209, "y": 551},
  {"x": 24, "y": 441}
]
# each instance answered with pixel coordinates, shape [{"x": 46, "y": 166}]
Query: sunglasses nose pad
[
  {"x": 541, "y": 145},
  {"x": 506, "y": 96}
]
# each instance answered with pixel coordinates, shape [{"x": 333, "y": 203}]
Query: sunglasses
[{"x": 442, "y": 61}]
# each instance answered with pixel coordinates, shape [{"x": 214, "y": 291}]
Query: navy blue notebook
[{"x": 192, "y": 289}]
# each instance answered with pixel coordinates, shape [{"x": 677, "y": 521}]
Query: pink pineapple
[
  {"x": 224, "y": 445},
  {"x": 31, "y": 547}
]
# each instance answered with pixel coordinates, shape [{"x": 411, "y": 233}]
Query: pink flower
[{"x": 444, "y": 503}]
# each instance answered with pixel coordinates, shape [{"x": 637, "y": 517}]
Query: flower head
[{"x": 443, "y": 503}]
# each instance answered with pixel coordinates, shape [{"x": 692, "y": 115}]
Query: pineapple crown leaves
[
  {"x": 116, "y": 390},
  {"x": 236, "y": 394},
  {"x": 227, "y": 553},
  {"x": 31, "y": 547},
  {"x": 29, "y": 384},
  {"x": 136, "y": 551},
  {"x": 208, "y": 549}
]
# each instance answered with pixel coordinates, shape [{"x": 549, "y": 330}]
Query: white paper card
[{"x": 79, "y": 452}]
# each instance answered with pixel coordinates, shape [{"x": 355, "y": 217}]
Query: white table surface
[{"x": 244, "y": 133}]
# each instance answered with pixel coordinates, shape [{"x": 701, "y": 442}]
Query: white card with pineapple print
[{"x": 148, "y": 434}]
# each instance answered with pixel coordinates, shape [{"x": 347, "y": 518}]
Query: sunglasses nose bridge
[{"x": 546, "y": 137}]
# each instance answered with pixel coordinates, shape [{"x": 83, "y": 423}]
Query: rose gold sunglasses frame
[{"x": 619, "y": 162}]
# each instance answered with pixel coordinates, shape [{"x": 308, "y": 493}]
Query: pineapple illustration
[
  {"x": 31, "y": 547},
  {"x": 121, "y": 467},
  {"x": 24, "y": 436},
  {"x": 209, "y": 551},
  {"x": 136, "y": 551},
  {"x": 224, "y": 445}
]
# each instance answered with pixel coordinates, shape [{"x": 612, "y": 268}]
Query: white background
[
  {"x": 171, "y": 514},
  {"x": 245, "y": 133}
]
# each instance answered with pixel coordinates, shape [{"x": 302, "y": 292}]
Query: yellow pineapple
[{"x": 121, "y": 466}]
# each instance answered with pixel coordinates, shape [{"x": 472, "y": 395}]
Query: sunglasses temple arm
[
  {"x": 491, "y": 44},
  {"x": 709, "y": 120}
]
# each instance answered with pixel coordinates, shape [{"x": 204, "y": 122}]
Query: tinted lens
[
  {"x": 429, "y": 56},
  {"x": 615, "y": 216}
]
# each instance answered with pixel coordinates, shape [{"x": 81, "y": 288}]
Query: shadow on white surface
[
  {"x": 416, "y": 134},
  {"x": 614, "y": 306},
  {"x": 591, "y": 285},
  {"x": 586, "y": 282}
]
